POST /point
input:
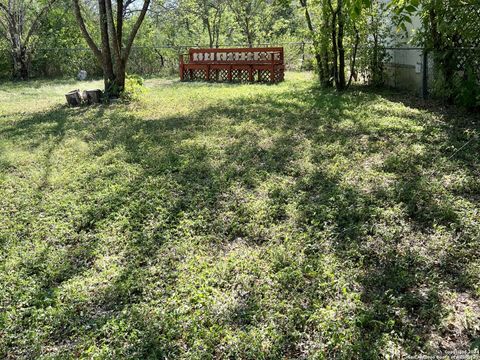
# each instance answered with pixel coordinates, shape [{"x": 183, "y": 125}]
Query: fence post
[
  {"x": 303, "y": 55},
  {"x": 425, "y": 74}
]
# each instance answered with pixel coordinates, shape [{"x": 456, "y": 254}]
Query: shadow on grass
[{"x": 194, "y": 181}]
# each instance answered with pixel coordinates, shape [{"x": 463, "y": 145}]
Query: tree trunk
[
  {"x": 20, "y": 70},
  {"x": 327, "y": 80},
  {"x": 120, "y": 78},
  {"x": 376, "y": 75},
  {"x": 210, "y": 33},
  {"x": 354, "y": 57},
  {"x": 113, "y": 54},
  {"x": 217, "y": 36},
  {"x": 19, "y": 53},
  {"x": 107, "y": 65},
  {"x": 316, "y": 46},
  {"x": 334, "y": 48},
  {"x": 248, "y": 34},
  {"x": 115, "y": 83},
  {"x": 341, "y": 49}
]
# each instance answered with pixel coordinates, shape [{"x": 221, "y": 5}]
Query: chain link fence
[
  {"x": 452, "y": 74},
  {"x": 144, "y": 61}
]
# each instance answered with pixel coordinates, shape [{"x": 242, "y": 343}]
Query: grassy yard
[{"x": 210, "y": 221}]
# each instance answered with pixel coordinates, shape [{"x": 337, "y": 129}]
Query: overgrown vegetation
[
  {"x": 450, "y": 33},
  {"x": 237, "y": 221}
]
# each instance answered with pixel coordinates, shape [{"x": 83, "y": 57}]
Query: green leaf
[{"x": 411, "y": 9}]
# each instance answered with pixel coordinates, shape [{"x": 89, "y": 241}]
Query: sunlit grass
[{"x": 236, "y": 221}]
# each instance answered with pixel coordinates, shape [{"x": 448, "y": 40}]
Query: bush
[
  {"x": 133, "y": 88},
  {"x": 467, "y": 90}
]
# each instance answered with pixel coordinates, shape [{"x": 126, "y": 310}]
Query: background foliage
[
  {"x": 449, "y": 31},
  {"x": 170, "y": 28}
]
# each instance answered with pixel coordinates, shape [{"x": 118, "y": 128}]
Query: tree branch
[
  {"x": 112, "y": 29},
  {"x": 133, "y": 33},
  {"x": 4, "y": 8},
  {"x": 38, "y": 20},
  {"x": 125, "y": 7},
  {"x": 120, "y": 23},
  {"x": 334, "y": 42},
  {"x": 7, "y": 12},
  {"x": 3, "y": 33},
  {"x": 354, "y": 56},
  {"x": 5, "y": 29},
  {"x": 83, "y": 29}
]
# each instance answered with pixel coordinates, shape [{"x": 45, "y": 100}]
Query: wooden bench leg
[
  {"x": 272, "y": 74},
  {"x": 250, "y": 73},
  {"x": 208, "y": 72},
  {"x": 230, "y": 73}
]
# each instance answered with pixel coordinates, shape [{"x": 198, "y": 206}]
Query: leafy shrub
[
  {"x": 371, "y": 64},
  {"x": 462, "y": 90},
  {"x": 440, "y": 87},
  {"x": 133, "y": 88},
  {"x": 467, "y": 89}
]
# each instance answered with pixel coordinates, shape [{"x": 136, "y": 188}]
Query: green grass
[{"x": 237, "y": 221}]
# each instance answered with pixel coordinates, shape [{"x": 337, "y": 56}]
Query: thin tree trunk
[
  {"x": 316, "y": 46},
  {"x": 354, "y": 56},
  {"x": 325, "y": 58},
  {"x": 248, "y": 33},
  {"x": 217, "y": 37},
  {"x": 217, "y": 22},
  {"x": 210, "y": 33},
  {"x": 375, "y": 67},
  {"x": 341, "y": 49},
  {"x": 108, "y": 74},
  {"x": 334, "y": 46}
]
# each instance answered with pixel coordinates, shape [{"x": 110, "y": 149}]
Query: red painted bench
[{"x": 233, "y": 65}]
